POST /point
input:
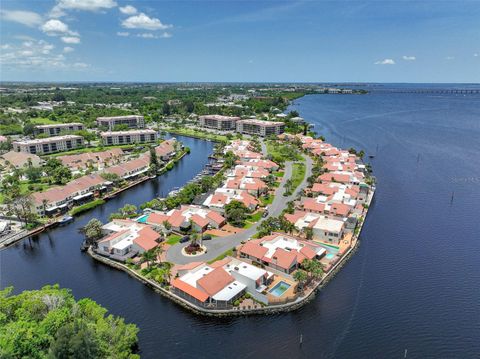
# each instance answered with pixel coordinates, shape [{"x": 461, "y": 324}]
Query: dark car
[
  {"x": 184, "y": 239},
  {"x": 207, "y": 237}
]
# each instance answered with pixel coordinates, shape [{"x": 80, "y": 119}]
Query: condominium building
[
  {"x": 49, "y": 145},
  {"x": 132, "y": 121},
  {"x": 218, "y": 122},
  {"x": 128, "y": 137},
  {"x": 56, "y": 129},
  {"x": 260, "y": 128}
]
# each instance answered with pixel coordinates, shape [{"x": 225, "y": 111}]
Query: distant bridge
[{"x": 433, "y": 91}]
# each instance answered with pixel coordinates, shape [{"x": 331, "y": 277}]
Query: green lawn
[
  {"x": 221, "y": 256},
  {"x": 255, "y": 217},
  {"x": 91, "y": 149},
  {"x": 36, "y": 187},
  {"x": 195, "y": 133},
  {"x": 173, "y": 239},
  {"x": 282, "y": 152},
  {"x": 279, "y": 174},
  {"x": 298, "y": 174},
  {"x": 268, "y": 201}
]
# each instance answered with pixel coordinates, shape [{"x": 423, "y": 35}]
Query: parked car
[
  {"x": 265, "y": 213},
  {"x": 184, "y": 239},
  {"x": 207, "y": 237}
]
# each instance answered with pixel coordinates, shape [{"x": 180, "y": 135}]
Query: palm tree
[
  {"x": 158, "y": 253},
  {"x": 308, "y": 233},
  {"x": 149, "y": 257},
  {"x": 301, "y": 277}
]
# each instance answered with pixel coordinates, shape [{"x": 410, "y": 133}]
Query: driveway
[{"x": 219, "y": 245}]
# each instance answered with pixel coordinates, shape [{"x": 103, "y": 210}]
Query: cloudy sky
[{"x": 303, "y": 41}]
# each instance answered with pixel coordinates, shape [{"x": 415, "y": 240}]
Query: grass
[
  {"x": 92, "y": 149},
  {"x": 36, "y": 187},
  {"x": 198, "y": 134},
  {"x": 173, "y": 239},
  {"x": 43, "y": 121},
  {"x": 255, "y": 217},
  {"x": 279, "y": 174},
  {"x": 282, "y": 152},
  {"x": 221, "y": 256},
  {"x": 267, "y": 201},
  {"x": 87, "y": 206},
  {"x": 298, "y": 174}
]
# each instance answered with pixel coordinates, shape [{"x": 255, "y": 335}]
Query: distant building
[
  {"x": 49, "y": 145},
  {"x": 56, "y": 129},
  {"x": 260, "y": 128},
  {"x": 132, "y": 121},
  {"x": 128, "y": 137},
  {"x": 218, "y": 122}
]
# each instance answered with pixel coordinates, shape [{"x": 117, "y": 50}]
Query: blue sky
[{"x": 274, "y": 41}]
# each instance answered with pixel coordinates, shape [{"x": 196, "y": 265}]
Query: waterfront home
[
  {"x": 132, "y": 121},
  {"x": 345, "y": 177},
  {"x": 57, "y": 128},
  {"x": 126, "y": 238},
  {"x": 49, "y": 145},
  {"x": 247, "y": 155},
  {"x": 187, "y": 217},
  {"x": 280, "y": 251},
  {"x": 324, "y": 228},
  {"x": 261, "y": 163},
  {"x": 130, "y": 169},
  {"x": 61, "y": 198},
  {"x": 231, "y": 278},
  {"x": 110, "y": 138},
  {"x": 329, "y": 208},
  {"x": 218, "y": 122},
  {"x": 166, "y": 150},
  {"x": 253, "y": 186},
  {"x": 223, "y": 196},
  {"x": 20, "y": 159},
  {"x": 96, "y": 160}
]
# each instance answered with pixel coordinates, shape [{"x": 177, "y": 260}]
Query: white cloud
[
  {"x": 475, "y": 55},
  {"x": 450, "y": 58},
  {"x": 68, "y": 49},
  {"x": 123, "y": 33},
  {"x": 27, "y": 18},
  {"x": 56, "y": 27},
  {"x": 149, "y": 35},
  {"x": 32, "y": 54},
  {"x": 70, "y": 39},
  {"x": 142, "y": 21},
  {"x": 128, "y": 10},
  {"x": 80, "y": 65},
  {"x": 81, "y": 5},
  {"x": 409, "y": 58},
  {"x": 385, "y": 62}
]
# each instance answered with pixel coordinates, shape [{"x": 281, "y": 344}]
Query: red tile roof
[
  {"x": 192, "y": 291},
  {"x": 215, "y": 281}
]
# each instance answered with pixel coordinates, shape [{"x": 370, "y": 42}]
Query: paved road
[{"x": 219, "y": 245}]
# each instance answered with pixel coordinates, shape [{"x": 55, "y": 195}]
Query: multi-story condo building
[
  {"x": 132, "y": 121},
  {"x": 128, "y": 137},
  {"x": 260, "y": 128},
  {"x": 218, "y": 122},
  {"x": 49, "y": 145},
  {"x": 56, "y": 129}
]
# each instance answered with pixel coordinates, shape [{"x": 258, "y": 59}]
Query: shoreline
[
  {"x": 55, "y": 222},
  {"x": 271, "y": 309}
]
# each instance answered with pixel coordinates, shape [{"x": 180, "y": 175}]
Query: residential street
[{"x": 219, "y": 245}]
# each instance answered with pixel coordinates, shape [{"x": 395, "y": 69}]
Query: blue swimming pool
[
  {"x": 331, "y": 251},
  {"x": 280, "y": 288},
  {"x": 142, "y": 219}
]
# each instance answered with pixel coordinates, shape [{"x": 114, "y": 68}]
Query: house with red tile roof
[
  {"x": 126, "y": 238},
  {"x": 166, "y": 150},
  {"x": 253, "y": 186},
  {"x": 98, "y": 160},
  {"x": 248, "y": 171},
  {"x": 20, "y": 159},
  {"x": 261, "y": 163},
  {"x": 324, "y": 228},
  {"x": 223, "y": 196},
  {"x": 131, "y": 169},
  {"x": 188, "y": 216},
  {"x": 281, "y": 252}
]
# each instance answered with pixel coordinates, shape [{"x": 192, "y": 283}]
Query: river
[{"x": 413, "y": 284}]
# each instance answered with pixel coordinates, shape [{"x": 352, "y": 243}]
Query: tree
[
  {"x": 33, "y": 174},
  {"x": 93, "y": 230},
  {"x": 61, "y": 175},
  {"x": 236, "y": 213},
  {"x": 49, "y": 323},
  {"x": 301, "y": 277},
  {"x": 149, "y": 257},
  {"x": 313, "y": 267},
  {"x": 308, "y": 233}
]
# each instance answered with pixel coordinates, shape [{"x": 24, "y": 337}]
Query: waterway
[{"x": 413, "y": 284}]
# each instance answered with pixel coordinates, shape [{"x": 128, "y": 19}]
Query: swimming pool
[
  {"x": 280, "y": 288},
  {"x": 142, "y": 219},
  {"x": 331, "y": 251}
]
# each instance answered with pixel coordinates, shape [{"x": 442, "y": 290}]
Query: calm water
[{"x": 414, "y": 283}]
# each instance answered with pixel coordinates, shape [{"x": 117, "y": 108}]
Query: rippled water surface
[{"x": 413, "y": 284}]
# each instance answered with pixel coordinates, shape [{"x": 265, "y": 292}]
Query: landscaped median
[{"x": 298, "y": 174}]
